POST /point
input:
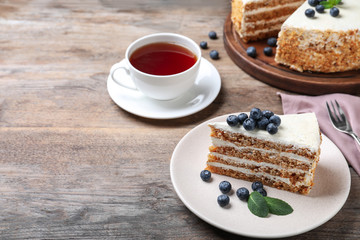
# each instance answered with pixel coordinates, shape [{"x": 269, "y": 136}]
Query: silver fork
[{"x": 339, "y": 121}]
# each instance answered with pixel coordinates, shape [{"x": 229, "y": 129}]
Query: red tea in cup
[{"x": 162, "y": 58}]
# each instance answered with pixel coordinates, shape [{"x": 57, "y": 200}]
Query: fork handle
[{"x": 355, "y": 137}]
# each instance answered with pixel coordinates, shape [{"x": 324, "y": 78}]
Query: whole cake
[
  {"x": 318, "y": 42},
  {"x": 286, "y": 160},
  {"x": 322, "y": 43},
  {"x": 258, "y": 19}
]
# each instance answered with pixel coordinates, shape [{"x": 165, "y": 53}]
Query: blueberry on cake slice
[{"x": 281, "y": 151}]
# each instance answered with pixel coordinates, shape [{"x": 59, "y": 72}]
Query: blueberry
[
  {"x": 255, "y": 185},
  {"x": 205, "y": 175},
  {"x": 249, "y": 124},
  {"x": 243, "y": 193},
  {"x": 214, "y": 54},
  {"x": 313, "y": 3},
  {"x": 262, "y": 123},
  {"x": 271, "y": 128},
  {"x": 272, "y": 42},
  {"x": 309, "y": 12},
  {"x": 251, "y": 52},
  {"x": 232, "y": 120},
  {"x": 262, "y": 191},
  {"x": 223, "y": 200},
  {"x": 267, "y": 113},
  {"x": 212, "y": 35},
  {"x": 268, "y": 51},
  {"x": 203, "y": 44},
  {"x": 255, "y": 113},
  {"x": 334, "y": 11},
  {"x": 275, "y": 120},
  {"x": 242, "y": 117},
  {"x": 225, "y": 187},
  {"x": 320, "y": 8}
]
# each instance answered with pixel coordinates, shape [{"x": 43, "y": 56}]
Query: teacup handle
[{"x": 126, "y": 72}]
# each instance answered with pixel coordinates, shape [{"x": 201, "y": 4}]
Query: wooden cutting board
[{"x": 265, "y": 69}]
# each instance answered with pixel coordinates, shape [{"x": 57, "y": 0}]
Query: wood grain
[{"x": 73, "y": 164}]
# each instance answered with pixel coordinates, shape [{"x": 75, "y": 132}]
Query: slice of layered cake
[
  {"x": 259, "y": 19},
  {"x": 323, "y": 43},
  {"x": 285, "y": 159}
]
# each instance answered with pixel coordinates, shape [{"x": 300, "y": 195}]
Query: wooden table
[{"x": 75, "y": 165}]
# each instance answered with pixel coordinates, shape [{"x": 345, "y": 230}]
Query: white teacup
[{"x": 160, "y": 87}]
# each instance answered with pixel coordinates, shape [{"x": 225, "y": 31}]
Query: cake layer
[
  {"x": 268, "y": 180},
  {"x": 251, "y": 5},
  {"x": 319, "y": 51},
  {"x": 293, "y": 174}
]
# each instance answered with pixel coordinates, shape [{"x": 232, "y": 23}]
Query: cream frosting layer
[
  {"x": 299, "y": 130},
  {"x": 348, "y": 19}
]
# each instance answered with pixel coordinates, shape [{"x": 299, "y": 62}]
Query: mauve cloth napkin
[{"x": 317, "y": 104}]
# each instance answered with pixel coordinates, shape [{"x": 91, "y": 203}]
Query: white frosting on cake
[
  {"x": 299, "y": 130},
  {"x": 348, "y": 19}
]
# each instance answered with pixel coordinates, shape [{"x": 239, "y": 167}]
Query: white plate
[
  {"x": 204, "y": 92},
  {"x": 331, "y": 189}
]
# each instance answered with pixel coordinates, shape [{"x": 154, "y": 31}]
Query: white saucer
[{"x": 204, "y": 92}]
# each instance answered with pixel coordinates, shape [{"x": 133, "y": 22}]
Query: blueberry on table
[
  {"x": 275, "y": 120},
  {"x": 249, "y": 124},
  {"x": 262, "y": 191},
  {"x": 262, "y": 123},
  {"x": 223, "y": 200},
  {"x": 232, "y": 120},
  {"x": 271, "y": 128},
  {"x": 255, "y": 113},
  {"x": 225, "y": 187},
  {"x": 214, "y": 54},
  {"x": 242, "y": 117},
  {"x": 212, "y": 35},
  {"x": 205, "y": 175},
  {"x": 272, "y": 42},
  {"x": 334, "y": 11},
  {"x": 243, "y": 193},
  {"x": 251, "y": 52},
  {"x": 310, "y": 13},
  {"x": 203, "y": 44},
  {"x": 267, "y": 113},
  {"x": 268, "y": 51},
  {"x": 255, "y": 185},
  {"x": 320, "y": 8},
  {"x": 313, "y": 3}
]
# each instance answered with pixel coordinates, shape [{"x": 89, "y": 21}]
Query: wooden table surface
[{"x": 75, "y": 165}]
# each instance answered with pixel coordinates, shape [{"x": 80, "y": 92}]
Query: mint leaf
[
  {"x": 257, "y": 204},
  {"x": 277, "y": 206},
  {"x": 337, "y": 2},
  {"x": 326, "y": 4}
]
